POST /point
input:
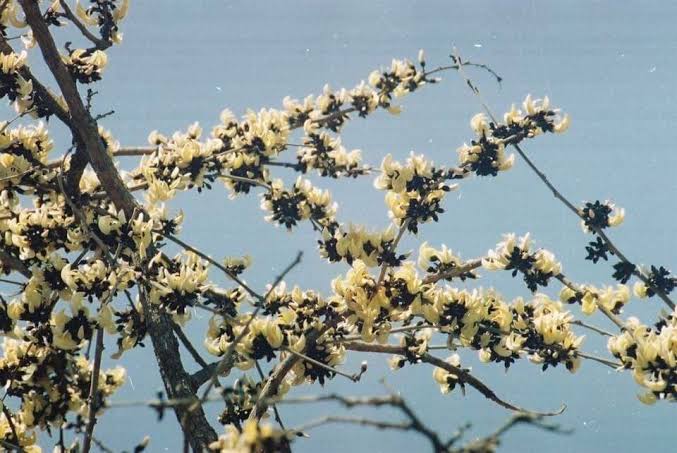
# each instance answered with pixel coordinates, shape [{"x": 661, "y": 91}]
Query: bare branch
[
  {"x": 12, "y": 427},
  {"x": 188, "y": 345},
  {"x": 99, "y": 43},
  {"x": 93, "y": 404},
  {"x": 454, "y": 272}
]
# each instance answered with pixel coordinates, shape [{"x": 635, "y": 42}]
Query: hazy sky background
[{"x": 609, "y": 64}]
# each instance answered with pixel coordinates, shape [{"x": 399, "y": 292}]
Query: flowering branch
[
  {"x": 463, "y": 375},
  {"x": 558, "y": 195}
]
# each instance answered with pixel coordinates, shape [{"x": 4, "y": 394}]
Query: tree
[{"x": 89, "y": 262}]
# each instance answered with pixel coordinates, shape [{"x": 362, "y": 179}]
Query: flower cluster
[
  {"x": 403, "y": 77},
  {"x": 246, "y": 145},
  {"x": 291, "y": 316},
  {"x": 330, "y": 110},
  {"x": 324, "y": 153},
  {"x": 36, "y": 233},
  {"x": 253, "y": 438},
  {"x": 23, "y": 149},
  {"x": 514, "y": 254},
  {"x": 176, "y": 284},
  {"x": 240, "y": 399},
  {"x": 590, "y": 298},
  {"x": 237, "y": 265},
  {"x": 441, "y": 262},
  {"x": 302, "y": 202},
  {"x": 446, "y": 379},
  {"x": 501, "y": 332},
  {"x": 50, "y": 383},
  {"x": 354, "y": 242},
  {"x": 179, "y": 163},
  {"x": 371, "y": 307},
  {"x": 106, "y": 15},
  {"x": 16, "y": 84},
  {"x": 651, "y": 354},
  {"x": 130, "y": 327},
  {"x": 659, "y": 278},
  {"x": 416, "y": 344},
  {"x": 84, "y": 65},
  {"x": 94, "y": 279},
  {"x": 415, "y": 190},
  {"x": 485, "y": 156},
  {"x": 239, "y": 151},
  {"x": 597, "y": 216}
]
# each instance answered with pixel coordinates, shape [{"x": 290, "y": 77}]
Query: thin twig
[
  {"x": 93, "y": 405},
  {"x": 456, "y": 271},
  {"x": 398, "y": 238},
  {"x": 278, "y": 418},
  {"x": 12, "y": 427},
  {"x": 603, "y": 361},
  {"x": 189, "y": 346},
  {"x": 100, "y": 44},
  {"x": 403, "y": 426},
  {"x": 585, "y": 325},
  {"x": 352, "y": 377},
  {"x": 217, "y": 265}
]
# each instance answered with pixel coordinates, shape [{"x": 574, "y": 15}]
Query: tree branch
[
  {"x": 176, "y": 380},
  {"x": 463, "y": 375},
  {"x": 99, "y": 43}
]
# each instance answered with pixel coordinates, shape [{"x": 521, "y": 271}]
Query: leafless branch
[
  {"x": 99, "y": 43},
  {"x": 454, "y": 272},
  {"x": 188, "y": 345}
]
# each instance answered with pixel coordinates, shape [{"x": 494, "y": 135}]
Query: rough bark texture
[{"x": 178, "y": 383}]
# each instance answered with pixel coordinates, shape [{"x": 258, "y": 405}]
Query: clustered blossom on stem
[
  {"x": 302, "y": 202},
  {"x": 354, "y": 242},
  {"x": 514, "y": 255},
  {"x": 502, "y": 332},
  {"x": 440, "y": 262},
  {"x": 414, "y": 190},
  {"x": 86, "y": 66},
  {"x": 481, "y": 320},
  {"x": 599, "y": 215},
  {"x": 253, "y": 437},
  {"x": 324, "y": 153},
  {"x": 17, "y": 86},
  {"x": 485, "y": 156},
  {"x": 590, "y": 297},
  {"x": 104, "y": 14},
  {"x": 23, "y": 148},
  {"x": 178, "y": 283},
  {"x": 446, "y": 379},
  {"x": 371, "y": 307},
  {"x": 290, "y": 316},
  {"x": 650, "y": 352},
  {"x": 50, "y": 383}
]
